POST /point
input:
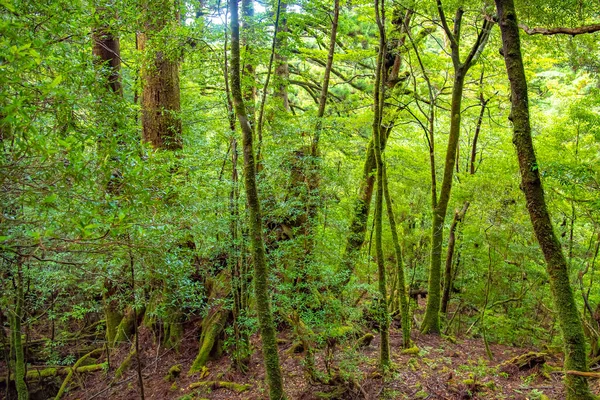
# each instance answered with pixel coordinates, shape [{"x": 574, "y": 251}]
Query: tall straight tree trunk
[
  {"x": 161, "y": 122},
  {"x": 378, "y": 97},
  {"x": 282, "y": 72},
  {"x": 556, "y": 264},
  {"x": 431, "y": 320},
  {"x": 261, "y": 290},
  {"x": 17, "y": 340},
  {"x": 107, "y": 59}
]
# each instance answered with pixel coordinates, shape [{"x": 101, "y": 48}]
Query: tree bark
[
  {"x": 261, "y": 290},
  {"x": 448, "y": 281},
  {"x": 106, "y": 50},
  {"x": 161, "y": 122},
  {"x": 282, "y": 72},
  {"x": 384, "y": 320},
  {"x": 568, "y": 315}
]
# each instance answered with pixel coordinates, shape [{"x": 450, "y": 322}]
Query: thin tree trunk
[
  {"x": 282, "y": 72},
  {"x": 241, "y": 354},
  {"x": 448, "y": 281},
  {"x": 313, "y": 162},
  {"x": 263, "y": 308},
  {"x": 402, "y": 295},
  {"x": 263, "y": 99},
  {"x": 107, "y": 58},
  {"x": 362, "y": 205},
  {"x": 568, "y": 314},
  {"x": 17, "y": 334}
]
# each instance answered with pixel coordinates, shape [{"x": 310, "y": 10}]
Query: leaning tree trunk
[
  {"x": 568, "y": 315},
  {"x": 161, "y": 122},
  {"x": 261, "y": 290}
]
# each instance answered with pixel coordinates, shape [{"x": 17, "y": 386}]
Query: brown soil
[{"x": 441, "y": 370}]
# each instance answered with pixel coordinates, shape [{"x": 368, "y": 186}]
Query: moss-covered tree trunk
[
  {"x": 568, "y": 315},
  {"x": 431, "y": 320},
  {"x": 161, "y": 122},
  {"x": 261, "y": 290},
  {"x": 17, "y": 338},
  {"x": 378, "y": 96}
]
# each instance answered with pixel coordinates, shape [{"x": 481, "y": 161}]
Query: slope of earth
[{"x": 439, "y": 369}]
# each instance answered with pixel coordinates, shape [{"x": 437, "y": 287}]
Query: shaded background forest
[{"x": 105, "y": 231}]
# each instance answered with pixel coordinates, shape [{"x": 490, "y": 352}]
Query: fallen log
[{"x": 236, "y": 387}]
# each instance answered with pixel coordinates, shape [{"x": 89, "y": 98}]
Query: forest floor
[{"x": 442, "y": 369}]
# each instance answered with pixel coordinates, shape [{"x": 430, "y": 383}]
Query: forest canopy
[{"x": 299, "y": 199}]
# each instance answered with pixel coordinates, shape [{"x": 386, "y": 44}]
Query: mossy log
[
  {"x": 72, "y": 370},
  {"x": 365, "y": 340},
  {"x": 39, "y": 374},
  {"x": 212, "y": 326},
  {"x": 524, "y": 361},
  {"x": 236, "y": 387}
]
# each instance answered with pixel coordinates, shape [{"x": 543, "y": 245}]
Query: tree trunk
[
  {"x": 161, "y": 122},
  {"x": 263, "y": 308},
  {"x": 568, "y": 315},
  {"x": 106, "y": 49},
  {"x": 448, "y": 275},
  {"x": 431, "y": 320},
  {"x": 384, "y": 320},
  {"x": 282, "y": 72},
  {"x": 18, "y": 351}
]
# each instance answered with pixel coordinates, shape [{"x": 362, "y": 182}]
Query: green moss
[
  {"x": 211, "y": 328},
  {"x": 173, "y": 373},
  {"x": 236, "y": 387},
  {"x": 365, "y": 340},
  {"x": 411, "y": 350}
]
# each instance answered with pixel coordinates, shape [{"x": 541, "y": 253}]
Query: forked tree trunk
[
  {"x": 261, "y": 290},
  {"x": 562, "y": 293},
  {"x": 161, "y": 122},
  {"x": 431, "y": 320}
]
